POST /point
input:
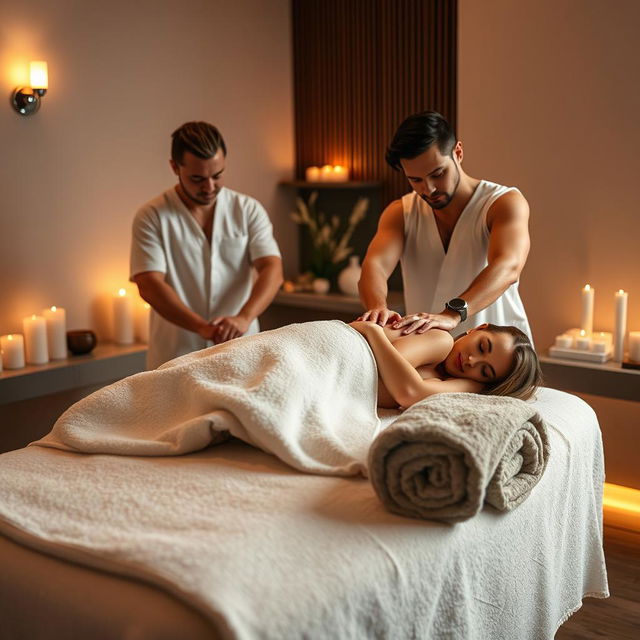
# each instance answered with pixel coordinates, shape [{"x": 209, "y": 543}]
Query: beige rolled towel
[{"x": 448, "y": 454}]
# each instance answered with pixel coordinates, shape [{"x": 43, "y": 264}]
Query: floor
[{"x": 618, "y": 617}]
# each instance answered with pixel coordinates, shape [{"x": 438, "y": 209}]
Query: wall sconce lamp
[{"x": 26, "y": 100}]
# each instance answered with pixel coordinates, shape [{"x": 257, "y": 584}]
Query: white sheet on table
[{"x": 267, "y": 552}]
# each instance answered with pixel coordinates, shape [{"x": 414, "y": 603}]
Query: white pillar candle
[
  {"x": 56, "y": 319},
  {"x": 634, "y": 346},
  {"x": 340, "y": 173},
  {"x": 599, "y": 346},
  {"x": 35, "y": 339},
  {"x": 312, "y": 174},
  {"x": 583, "y": 341},
  {"x": 12, "y": 347},
  {"x": 142, "y": 322},
  {"x": 326, "y": 173},
  {"x": 620, "y": 325},
  {"x": 564, "y": 341},
  {"x": 605, "y": 336},
  {"x": 586, "y": 321},
  {"x": 122, "y": 318}
]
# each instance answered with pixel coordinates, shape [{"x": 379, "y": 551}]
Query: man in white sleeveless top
[
  {"x": 203, "y": 256},
  {"x": 461, "y": 242}
]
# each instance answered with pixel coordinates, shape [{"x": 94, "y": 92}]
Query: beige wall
[
  {"x": 123, "y": 75},
  {"x": 549, "y": 100}
]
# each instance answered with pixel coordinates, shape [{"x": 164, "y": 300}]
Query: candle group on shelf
[
  {"x": 585, "y": 339},
  {"x": 598, "y": 342},
  {"x": 327, "y": 173}
]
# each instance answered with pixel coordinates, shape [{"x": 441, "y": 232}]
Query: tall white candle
[
  {"x": 35, "y": 339},
  {"x": 122, "y": 318},
  {"x": 142, "y": 322},
  {"x": 620, "y": 325},
  {"x": 12, "y": 347},
  {"x": 586, "y": 322},
  {"x": 56, "y": 319},
  {"x": 634, "y": 346}
]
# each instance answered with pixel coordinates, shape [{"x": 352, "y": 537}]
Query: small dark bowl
[{"x": 81, "y": 341}]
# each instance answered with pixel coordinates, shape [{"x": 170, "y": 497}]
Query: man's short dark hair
[
  {"x": 200, "y": 138},
  {"x": 417, "y": 134}
]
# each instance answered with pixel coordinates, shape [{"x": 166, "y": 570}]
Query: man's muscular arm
[
  {"x": 162, "y": 297},
  {"x": 382, "y": 257}
]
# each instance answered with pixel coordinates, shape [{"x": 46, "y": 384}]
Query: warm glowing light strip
[{"x": 621, "y": 506}]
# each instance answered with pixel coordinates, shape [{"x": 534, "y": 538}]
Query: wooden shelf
[
  {"x": 608, "y": 379},
  {"x": 351, "y": 184},
  {"x": 107, "y": 362},
  {"x": 337, "y": 302}
]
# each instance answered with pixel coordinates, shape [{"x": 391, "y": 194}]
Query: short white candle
[
  {"x": 12, "y": 346},
  {"x": 586, "y": 321},
  {"x": 326, "y": 173},
  {"x": 122, "y": 318},
  {"x": 564, "y": 341},
  {"x": 606, "y": 336},
  {"x": 583, "y": 341},
  {"x": 56, "y": 319},
  {"x": 35, "y": 339},
  {"x": 142, "y": 322},
  {"x": 620, "y": 324},
  {"x": 599, "y": 346},
  {"x": 312, "y": 174},
  {"x": 634, "y": 346},
  {"x": 340, "y": 173}
]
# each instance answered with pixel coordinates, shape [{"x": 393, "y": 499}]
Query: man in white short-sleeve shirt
[{"x": 203, "y": 256}]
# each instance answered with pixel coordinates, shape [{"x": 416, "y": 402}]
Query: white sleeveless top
[{"x": 431, "y": 277}]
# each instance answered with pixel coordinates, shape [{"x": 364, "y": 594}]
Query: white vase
[
  {"x": 349, "y": 276},
  {"x": 321, "y": 285}
]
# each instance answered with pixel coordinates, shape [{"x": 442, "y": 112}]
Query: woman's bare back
[{"x": 415, "y": 348}]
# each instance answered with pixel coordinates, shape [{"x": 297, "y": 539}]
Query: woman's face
[{"x": 481, "y": 355}]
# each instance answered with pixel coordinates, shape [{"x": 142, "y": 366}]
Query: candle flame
[
  {"x": 54, "y": 308},
  {"x": 582, "y": 333},
  {"x": 587, "y": 287},
  {"x": 10, "y": 336},
  {"x": 621, "y": 291},
  {"x": 122, "y": 292},
  {"x": 33, "y": 317}
]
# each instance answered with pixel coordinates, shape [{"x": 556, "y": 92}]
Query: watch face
[{"x": 457, "y": 303}]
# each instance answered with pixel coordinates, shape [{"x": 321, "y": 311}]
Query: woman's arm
[{"x": 399, "y": 375}]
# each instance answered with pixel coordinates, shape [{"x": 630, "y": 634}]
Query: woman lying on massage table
[{"x": 488, "y": 359}]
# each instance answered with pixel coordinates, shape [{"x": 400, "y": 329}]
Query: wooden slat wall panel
[{"x": 361, "y": 67}]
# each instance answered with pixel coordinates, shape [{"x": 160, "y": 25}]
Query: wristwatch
[{"x": 459, "y": 306}]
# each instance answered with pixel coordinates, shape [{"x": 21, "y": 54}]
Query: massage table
[{"x": 252, "y": 548}]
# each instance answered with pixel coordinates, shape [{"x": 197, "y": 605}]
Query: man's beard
[{"x": 448, "y": 197}]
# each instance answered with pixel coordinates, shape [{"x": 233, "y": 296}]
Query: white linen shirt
[{"x": 211, "y": 279}]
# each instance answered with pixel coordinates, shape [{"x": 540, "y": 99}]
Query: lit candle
[
  {"x": 583, "y": 341},
  {"x": 564, "y": 341},
  {"x": 142, "y": 322},
  {"x": 312, "y": 174},
  {"x": 599, "y": 346},
  {"x": 122, "y": 318},
  {"x": 634, "y": 346},
  {"x": 340, "y": 173},
  {"x": 605, "y": 336},
  {"x": 326, "y": 173},
  {"x": 12, "y": 347},
  {"x": 56, "y": 319},
  {"x": 620, "y": 325},
  {"x": 35, "y": 339},
  {"x": 586, "y": 322}
]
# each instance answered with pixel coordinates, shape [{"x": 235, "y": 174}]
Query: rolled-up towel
[{"x": 449, "y": 453}]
